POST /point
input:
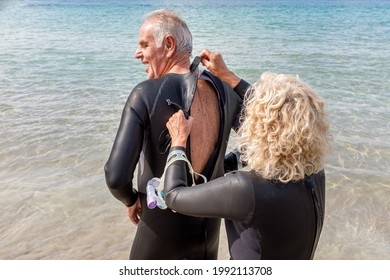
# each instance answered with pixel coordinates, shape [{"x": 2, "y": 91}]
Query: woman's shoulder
[{"x": 245, "y": 178}]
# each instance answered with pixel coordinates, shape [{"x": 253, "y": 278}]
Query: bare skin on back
[{"x": 205, "y": 129}]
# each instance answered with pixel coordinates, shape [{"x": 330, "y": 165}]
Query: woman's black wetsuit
[
  {"x": 264, "y": 219},
  {"x": 142, "y": 139}
]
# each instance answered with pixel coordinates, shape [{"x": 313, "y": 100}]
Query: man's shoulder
[
  {"x": 155, "y": 84},
  {"x": 147, "y": 84},
  {"x": 145, "y": 88},
  {"x": 146, "y": 93}
]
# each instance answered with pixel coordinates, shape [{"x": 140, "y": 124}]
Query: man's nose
[{"x": 137, "y": 53}]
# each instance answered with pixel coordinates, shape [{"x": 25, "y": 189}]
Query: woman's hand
[
  {"x": 214, "y": 62},
  {"x": 179, "y": 128}
]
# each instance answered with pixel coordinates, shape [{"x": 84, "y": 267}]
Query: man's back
[{"x": 207, "y": 120}]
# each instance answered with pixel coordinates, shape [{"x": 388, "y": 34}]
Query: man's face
[{"x": 149, "y": 53}]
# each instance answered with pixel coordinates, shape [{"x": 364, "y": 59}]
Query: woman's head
[{"x": 284, "y": 135}]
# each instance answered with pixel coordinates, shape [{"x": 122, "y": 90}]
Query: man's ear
[{"x": 170, "y": 45}]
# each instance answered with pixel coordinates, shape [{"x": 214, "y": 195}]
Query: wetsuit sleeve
[
  {"x": 231, "y": 162},
  {"x": 242, "y": 88},
  {"x": 229, "y": 197},
  {"x": 124, "y": 156}
]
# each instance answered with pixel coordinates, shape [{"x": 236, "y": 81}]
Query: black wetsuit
[
  {"x": 264, "y": 219},
  {"x": 142, "y": 137}
]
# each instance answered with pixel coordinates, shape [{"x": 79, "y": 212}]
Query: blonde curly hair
[{"x": 284, "y": 131}]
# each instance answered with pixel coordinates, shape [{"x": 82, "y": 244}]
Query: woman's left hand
[{"x": 179, "y": 128}]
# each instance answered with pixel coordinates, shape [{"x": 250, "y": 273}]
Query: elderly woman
[{"x": 276, "y": 209}]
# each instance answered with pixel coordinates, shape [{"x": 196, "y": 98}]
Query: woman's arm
[{"x": 229, "y": 197}]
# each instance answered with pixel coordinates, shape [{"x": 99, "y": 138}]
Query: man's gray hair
[{"x": 169, "y": 22}]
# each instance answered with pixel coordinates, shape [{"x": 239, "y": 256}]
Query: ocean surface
[{"x": 67, "y": 68}]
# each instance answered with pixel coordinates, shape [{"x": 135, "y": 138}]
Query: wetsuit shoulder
[
  {"x": 144, "y": 93},
  {"x": 229, "y": 101},
  {"x": 220, "y": 85},
  {"x": 144, "y": 97}
]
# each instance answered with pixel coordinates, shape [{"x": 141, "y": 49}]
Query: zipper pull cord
[{"x": 186, "y": 114}]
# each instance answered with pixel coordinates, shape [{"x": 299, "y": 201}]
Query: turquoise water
[{"x": 67, "y": 67}]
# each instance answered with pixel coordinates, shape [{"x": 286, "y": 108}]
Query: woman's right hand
[
  {"x": 179, "y": 128},
  {"x": 214, "y": 62}
]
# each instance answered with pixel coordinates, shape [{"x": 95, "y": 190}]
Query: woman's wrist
[
  {"x": 230, "y": 78},
  {"x": 179, "y": 143}
]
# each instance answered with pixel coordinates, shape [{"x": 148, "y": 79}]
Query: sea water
[{"x": 67, "y": 68}]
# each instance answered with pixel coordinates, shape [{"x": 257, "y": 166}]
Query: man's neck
[{"x": 179, "y": 65}]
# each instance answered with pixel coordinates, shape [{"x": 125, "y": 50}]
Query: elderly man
[{"x": 165, "y": 46}]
